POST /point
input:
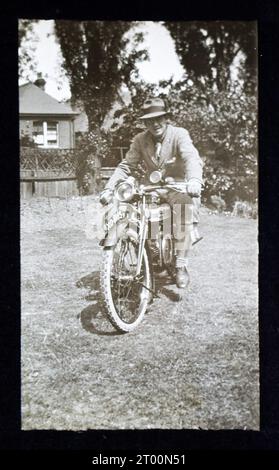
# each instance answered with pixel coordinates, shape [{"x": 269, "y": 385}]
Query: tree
[
  {"x": 207, "y": 51},
  {"x": 97, "y": 63},
  {"x": 26, "y": 63},
  {"x": 98, "y": 57},
  {"x": 219, "y": 111},
  {"x": 224, "y": 132},
  {"x": 130, "y": 125}
]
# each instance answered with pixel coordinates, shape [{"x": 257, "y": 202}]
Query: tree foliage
[
  {"x": 207, "y": 51},
  {"x": 26, "y": 63},
  {"x": 216, "y": 105},
  {"x": 97, "y": 62},
  {"x": 129, "y": 114},
  {"x": 223, "y": 126},
  {"x": 98, "y": 57}
]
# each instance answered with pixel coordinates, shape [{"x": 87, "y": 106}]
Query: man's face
[{"x": 156, "y": 125}]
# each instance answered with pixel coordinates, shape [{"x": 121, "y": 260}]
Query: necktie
[{"x": 157, "y": 151}]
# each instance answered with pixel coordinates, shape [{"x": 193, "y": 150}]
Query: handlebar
[{"x": 174, "y": 186}]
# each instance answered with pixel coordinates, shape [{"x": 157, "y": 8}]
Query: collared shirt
[{"x": 158, "y": 141}]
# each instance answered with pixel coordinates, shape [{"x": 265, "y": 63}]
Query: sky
[{"x": 162, "y": 65}]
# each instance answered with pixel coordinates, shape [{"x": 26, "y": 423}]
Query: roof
[{"x": 33, "y": 100}]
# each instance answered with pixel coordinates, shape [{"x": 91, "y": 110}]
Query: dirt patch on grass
[{"x": 191, "y": 364}]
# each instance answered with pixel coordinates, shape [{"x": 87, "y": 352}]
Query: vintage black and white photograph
[{"x": 139, "y": 224}]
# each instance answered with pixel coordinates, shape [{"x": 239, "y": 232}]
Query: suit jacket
[{"x": 176, "y": 146}]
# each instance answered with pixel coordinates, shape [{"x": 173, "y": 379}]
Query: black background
[{"x": 78, "y": 448}]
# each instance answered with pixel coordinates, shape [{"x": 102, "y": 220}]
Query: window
[
  {"x": 52, "y": 137},
  {"x": 38, "y": 133},
  {"x": 45, "y": 133}
]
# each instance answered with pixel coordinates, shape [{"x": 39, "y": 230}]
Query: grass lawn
[{"x": 190, "y": 364}]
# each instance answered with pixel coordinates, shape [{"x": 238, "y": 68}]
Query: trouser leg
[
  {"x": 183, "y": 227},
  {"x": 196, "y": 209},
  {"x": 183, "y": 219}
]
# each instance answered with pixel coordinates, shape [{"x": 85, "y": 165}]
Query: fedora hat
[{"x": 153, "y": 107}]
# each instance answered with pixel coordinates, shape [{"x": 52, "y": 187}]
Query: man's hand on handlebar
[{"x": 194, "y": 188}]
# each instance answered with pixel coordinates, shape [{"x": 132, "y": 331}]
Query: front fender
[
  {"x": 113, "y": 235},
  {"x": 121, "y": 226},
  {"x": 129, "y": 228}
]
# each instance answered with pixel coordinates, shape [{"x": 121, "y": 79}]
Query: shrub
[
  {"x": 245, "y": 209},
  {"x": 92, "y": 147},
  {"x": 223, "y": 126},
  {"x": 27, "y": 141}
]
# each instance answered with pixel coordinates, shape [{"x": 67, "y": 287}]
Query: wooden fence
[
  {"x": 47, "y": 172},
  {"x": 47, "y": 183},
  {"x": 52, "y": 173}
]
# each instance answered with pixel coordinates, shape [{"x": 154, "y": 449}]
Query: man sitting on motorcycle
[{"x": 159, "y": 144}]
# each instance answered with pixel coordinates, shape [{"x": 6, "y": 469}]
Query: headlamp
[
  {"x": 156, "y": 176},
  {"x": 125, "y": 191}
]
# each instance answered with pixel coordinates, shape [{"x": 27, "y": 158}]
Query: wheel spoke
[{"x": 127, "y": 293}]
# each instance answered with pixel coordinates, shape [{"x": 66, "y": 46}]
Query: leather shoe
[{"x": 182, "y": 277}]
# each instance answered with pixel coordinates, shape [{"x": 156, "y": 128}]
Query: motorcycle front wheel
[{"x": 126, "y": 296}]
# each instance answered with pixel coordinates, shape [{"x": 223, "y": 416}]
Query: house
[{"x": 43, "y": 119}]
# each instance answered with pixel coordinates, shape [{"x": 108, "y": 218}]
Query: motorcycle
[{"x": 138, "y": 241}]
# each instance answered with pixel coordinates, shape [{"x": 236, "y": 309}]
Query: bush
[
  {"x": 27, "y": 141},
  {"x": 92, "y": 148},
  {"x": 245, "y": 209},
  {"x": 223, "y": 126}
]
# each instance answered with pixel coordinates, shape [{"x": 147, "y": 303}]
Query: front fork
[{"x": 142, "y": 236}]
